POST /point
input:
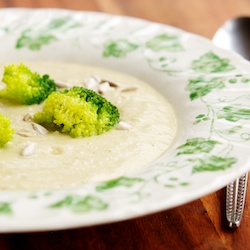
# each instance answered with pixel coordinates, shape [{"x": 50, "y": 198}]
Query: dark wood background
[{"x": 197, "y": 225}]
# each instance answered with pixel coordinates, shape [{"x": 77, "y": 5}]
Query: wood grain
[{"x": 199, "y": 225}]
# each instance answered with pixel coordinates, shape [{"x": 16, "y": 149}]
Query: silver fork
[
  {"x": 234, "y": 35},
  {"x": 235, "y": 200}
]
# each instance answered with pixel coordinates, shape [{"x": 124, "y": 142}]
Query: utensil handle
[{"x": 235, "y": 200}]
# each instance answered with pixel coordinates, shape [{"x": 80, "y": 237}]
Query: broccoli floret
[
  {"x": 24, "y": 86},
  {"x": 79, "y": 112},
  {"x": 6, "y": 131}
]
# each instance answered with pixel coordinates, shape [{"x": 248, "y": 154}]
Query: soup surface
[{"x": 61, "y": 161}]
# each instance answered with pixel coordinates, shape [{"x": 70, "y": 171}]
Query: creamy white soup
[{"x": 58, "y": 160}]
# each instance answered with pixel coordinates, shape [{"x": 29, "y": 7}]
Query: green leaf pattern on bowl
[
  {"x": 5, "y": 208},
  {"x": 118, "y": 48},
  {"x": 35, "y": 39},
  {"x": 122, "y": 181},
  {"x": 81, "y": 204},
  {"x": 212, "y": 63}
]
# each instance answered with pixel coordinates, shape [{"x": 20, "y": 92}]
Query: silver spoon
[{"x": 235, "y": 35}]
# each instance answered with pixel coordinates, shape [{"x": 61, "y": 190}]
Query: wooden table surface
[{"x": 197, "y": 225}]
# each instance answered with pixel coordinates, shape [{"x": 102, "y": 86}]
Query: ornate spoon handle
[{"x": 235, "y": 200}]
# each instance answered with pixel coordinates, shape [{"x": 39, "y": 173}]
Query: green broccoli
[
  {"x": 25, "y": 86},
  {"x": 6, "y": 131},
  {"x": 79, "y": 112}
]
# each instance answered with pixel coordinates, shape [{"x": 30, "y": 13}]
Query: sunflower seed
[
  {"x": 123, "y": 126},
  {"x": 26, "y": 133},
  {"x": 29, "y": 149},
  {"x": 40, "y": 129},
  {"x": 105, "y": 87},
  {"x": 62, "y": 84},
  {"x": 27, "y": 117},
  {"x": 92, "y": 83},
  {"x": 128, "y": 89},
  {"x": 112, "y": 84}
]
